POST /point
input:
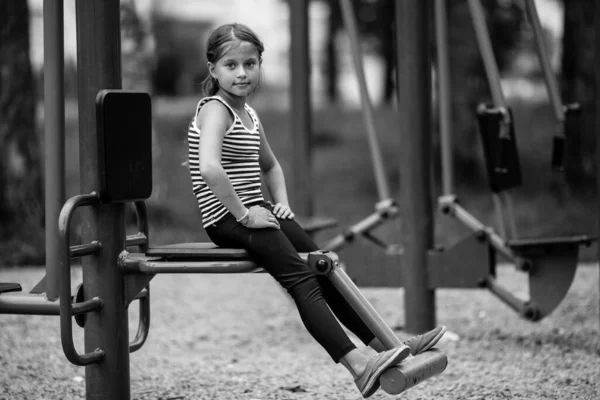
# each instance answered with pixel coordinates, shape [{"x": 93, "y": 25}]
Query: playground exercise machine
[
  {"x": 115, "y": 166},
  {"x": 550, "y": 263}
]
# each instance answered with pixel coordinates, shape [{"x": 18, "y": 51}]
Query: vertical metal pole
[
  {"x": 300, "y": 187},
  {"x": 413, "y": 74},
  {"x": 54, "y": 139},
  {"x": 597, "y": 121},
  {"x": 444, "y": 87},
  {"x": 99, "y": 67}
]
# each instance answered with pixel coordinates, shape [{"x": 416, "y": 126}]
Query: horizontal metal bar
[
  {"x": 85, "y": 249},
  {"x": 93, "y": 304},
  {"x": 29, "y": 304},
  {"x": 198, "y": 267},
  {"x": 136, "y": 239},
  {"x": 136, "y": 262}
]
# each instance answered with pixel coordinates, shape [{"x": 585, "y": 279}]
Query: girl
[{"x": 228, "y": 151}]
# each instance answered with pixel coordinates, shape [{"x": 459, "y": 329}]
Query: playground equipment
[
  {"x": 550, "y": 263},
  {"x": 115, "y": 154},
  {"x": 124, "y": 149}
]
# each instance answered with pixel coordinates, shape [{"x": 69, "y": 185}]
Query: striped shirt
[{"x": 239, "y": 158}]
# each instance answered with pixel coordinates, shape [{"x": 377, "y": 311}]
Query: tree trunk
[
  {"x": 577, "y": 81},
  {"x": 21, "y": 193}
]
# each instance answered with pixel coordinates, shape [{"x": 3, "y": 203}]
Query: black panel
[{"x": 124, "y": 124}]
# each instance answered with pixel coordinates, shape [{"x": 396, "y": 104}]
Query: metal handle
[
  {"x": 64, "y": 264},
  {"x": 144, "y": 321}
]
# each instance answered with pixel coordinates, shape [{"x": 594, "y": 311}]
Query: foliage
[{"x": 21, "y": 194}]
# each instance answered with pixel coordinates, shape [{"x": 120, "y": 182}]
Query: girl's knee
[{"x": 306, "y": 288}]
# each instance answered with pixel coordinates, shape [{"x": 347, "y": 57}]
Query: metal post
[
  {"x": 99, "y": 67},
  {"x": 597, "y": 99},
  {"x": 444, "y": 87},
  {"x": 54, "y": 141},
  {"x": 300, "y": 187},
  {"x": 414, "y": 104}
]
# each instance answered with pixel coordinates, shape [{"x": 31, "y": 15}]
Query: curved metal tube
[
  {"x": 64, "y": 264},
  {"x": 144, "y": 323}
]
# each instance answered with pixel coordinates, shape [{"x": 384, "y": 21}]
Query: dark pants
[{"x": 276, "y": 250}]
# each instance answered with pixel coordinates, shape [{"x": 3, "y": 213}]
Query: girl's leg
[
  {"x": 272, "y": 250},
  {"x": 338, "y": 304}
]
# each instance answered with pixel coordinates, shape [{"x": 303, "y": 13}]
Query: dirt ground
[{"x": 239, "y": 337}]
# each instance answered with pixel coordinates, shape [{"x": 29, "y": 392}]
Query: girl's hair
[{"x": 219, "y": 42}]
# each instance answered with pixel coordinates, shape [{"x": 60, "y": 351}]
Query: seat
[{"x": 9, "y": 287}]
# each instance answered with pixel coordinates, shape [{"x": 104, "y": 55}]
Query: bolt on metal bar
[{"x": 85, "y": 249}]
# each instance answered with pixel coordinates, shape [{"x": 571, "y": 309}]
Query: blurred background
[{"x": 163, "y": 45}]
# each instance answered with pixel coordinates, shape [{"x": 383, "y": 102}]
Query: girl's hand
[
  {"x": 259, "y": 217},
  {"x": 282, "y": 211}
]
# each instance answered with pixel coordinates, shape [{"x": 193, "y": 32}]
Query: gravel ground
[{"x": 239, "y": 337}]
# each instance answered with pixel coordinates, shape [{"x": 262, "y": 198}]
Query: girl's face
[{"x": 238, "y": 70}]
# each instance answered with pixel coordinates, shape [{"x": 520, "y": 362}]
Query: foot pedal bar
[
  {"x": 413, "y": 371},
  {"x": 409, "y": 372}
]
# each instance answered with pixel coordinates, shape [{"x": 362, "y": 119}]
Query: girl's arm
[
  {"x": 213, "y": 121},
  {"x": 274, "y": 178}
]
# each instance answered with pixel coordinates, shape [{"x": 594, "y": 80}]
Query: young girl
[{"x": 228, "y": 151}]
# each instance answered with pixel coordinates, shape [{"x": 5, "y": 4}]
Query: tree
[
  {"x": 577, "y": 84},
  {"x": 21, "y": 193}
]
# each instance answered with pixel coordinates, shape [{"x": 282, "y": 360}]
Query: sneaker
[
  {"x": 426, "y": 341},
  {"x": 368, "y": 381}
]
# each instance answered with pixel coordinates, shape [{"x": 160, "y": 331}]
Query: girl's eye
[{"x": 251, "y": 64}]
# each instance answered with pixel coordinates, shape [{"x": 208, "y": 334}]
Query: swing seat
[
  {"x": 9, "y": 287},
  {"x": 553, "y": 266},
  {"x": 197, "y": 251}
]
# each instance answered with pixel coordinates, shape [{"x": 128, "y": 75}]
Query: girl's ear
[{"x": 211, "y": 69}]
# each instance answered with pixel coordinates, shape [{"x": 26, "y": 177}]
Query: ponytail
[{"x": 210, "y": 86}]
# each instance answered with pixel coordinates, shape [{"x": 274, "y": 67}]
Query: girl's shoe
[
  {"x": 426, "y": 341},
  {"x": 368, "y": 381}
]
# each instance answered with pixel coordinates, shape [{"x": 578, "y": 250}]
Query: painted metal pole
[
  {"x": 444, "y": 87},
  {"x": 597, "y": 99},
  {"x": 301, "y": 187},
  {"x": 542, "y": 50},
  {"x": 99, "y": 67},
  {"x": 487, "y": 54},
  {"x": 54, "y": 138},
  {"x": 413, "y": 74},
  {"x": 367, "y": 107}
]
